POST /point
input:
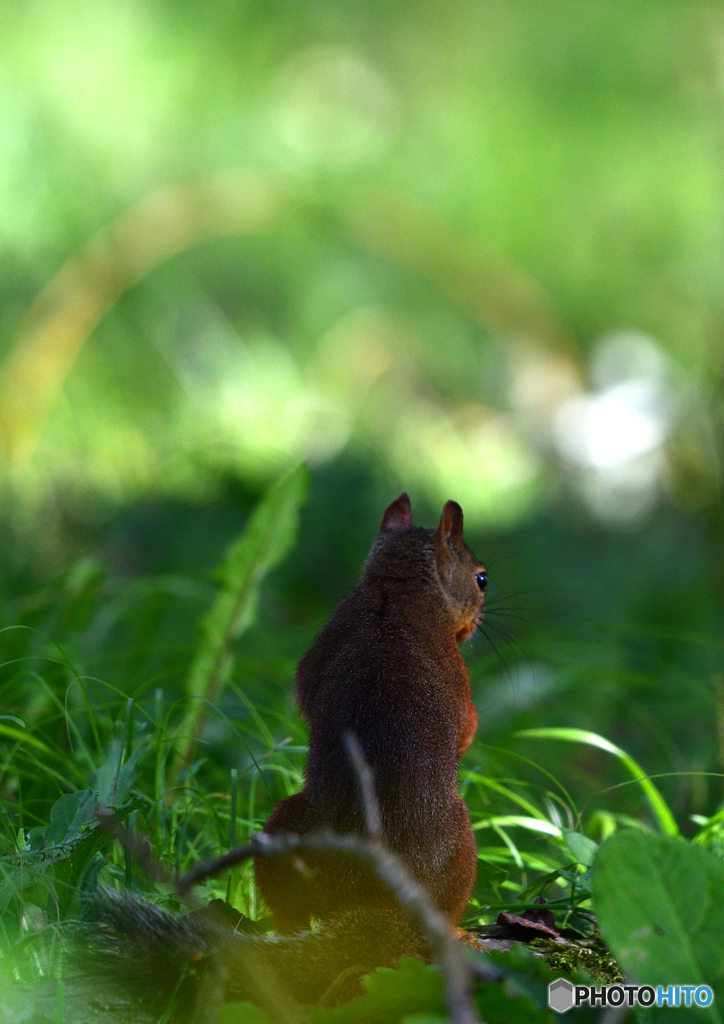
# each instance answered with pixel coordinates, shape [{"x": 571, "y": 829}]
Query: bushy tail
[{"x": 187, "y": 965}]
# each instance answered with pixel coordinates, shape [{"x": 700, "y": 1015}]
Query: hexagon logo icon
[{"x": 560, "y": 995}]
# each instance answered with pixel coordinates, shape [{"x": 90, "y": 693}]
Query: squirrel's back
[{"x": 387, "y": 668}]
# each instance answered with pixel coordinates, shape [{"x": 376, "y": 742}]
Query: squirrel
[{"x": 386, "y": 667}]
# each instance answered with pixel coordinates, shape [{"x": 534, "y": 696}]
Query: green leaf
[
  {"x": 13, "y": 718},
  {"x": 581, "y": 847},
  {"x": 522, "y": 996},
  {"x": 508, "y": 1002},
  {"x": 243, "y": 1013},
  {"x": 415, "y": 993},
  {"x": 660, "y": 906},
  {"x": 658, "y": 805},
  {"x": 413, "y": 988},
  {"x": 73, "y": 812},
  {"x": 582, "y": 882},
  {"x": 68, "y": 815},
  {"x": 110, "y": 784},
  {"x": 269, "y": 536}
]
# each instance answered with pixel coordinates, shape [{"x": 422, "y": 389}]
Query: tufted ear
[
  {"x": 450, "y": 529},
  {"x": 398, "y": 514}
]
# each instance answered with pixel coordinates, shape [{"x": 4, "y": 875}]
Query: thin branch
[{"x": 365, "y": 784}]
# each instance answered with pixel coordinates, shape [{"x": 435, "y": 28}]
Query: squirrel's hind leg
[
  {"x": 451, "y": 888},
  {"x": 282, "y": 881}
]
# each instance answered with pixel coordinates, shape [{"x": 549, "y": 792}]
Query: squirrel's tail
[{"x": 192, "y": 963}]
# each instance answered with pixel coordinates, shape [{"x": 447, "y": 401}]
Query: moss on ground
[{"x": 590, "y": 955}]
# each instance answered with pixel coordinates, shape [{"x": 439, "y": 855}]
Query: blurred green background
[{"x": 472, "y": 249}]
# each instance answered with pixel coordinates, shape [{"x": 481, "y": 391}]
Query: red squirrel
[{"x": 386, "y": 667}]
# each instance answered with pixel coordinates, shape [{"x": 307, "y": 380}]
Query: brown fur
[{"x": 387, "y": 668}]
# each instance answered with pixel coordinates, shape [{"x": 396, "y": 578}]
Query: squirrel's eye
[{"x": 481, "y": 579}]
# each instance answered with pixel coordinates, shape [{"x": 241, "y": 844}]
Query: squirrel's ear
[
  {"x": 398, "y": 514},
  {"x": 450, "y": 529}
]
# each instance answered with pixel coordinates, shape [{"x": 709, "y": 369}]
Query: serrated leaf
[
  {"x": 268, "y": 537},
  {"x": 74, "y": 814},
  {"x": 660, "y": 907},
  {"x": 71, "y": 816}
]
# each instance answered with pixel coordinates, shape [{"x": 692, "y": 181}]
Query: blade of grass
[
  {"x": 531, "y": 824},
  {"x": 659, "y": 807},
  {"x": 533, "y": 764},
  {"x": 232, "y": 828},
  {"x": 514, "y": 797},
  {"x": 127, "y": 744},
  {"x": 514, "y": 852},
  {"x": 22, "y": 737}
]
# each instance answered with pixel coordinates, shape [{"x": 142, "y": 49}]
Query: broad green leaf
[
  {"x": 243, "y": 1013},
  {"x": 660, "y": 906},
  {"x": 389, "y": 995},
  {"x": 68, "y": 815},
  {"x": 522, "y": 996},
  {"x": 581, "y": 847},
  {"x": 108, "y": 786},
  {"x": 509, "y": 1003},
  {"x": 416, "y": 993},
  {"x": 658, "y": 805},
  {"x": 16, "y": 1003}
]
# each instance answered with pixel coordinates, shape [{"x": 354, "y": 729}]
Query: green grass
[
  {"x": 69, "y": 738},
  {"x": 72, "y": 744}
]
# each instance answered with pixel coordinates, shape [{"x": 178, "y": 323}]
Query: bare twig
[{"x": 365, "y": 784}]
